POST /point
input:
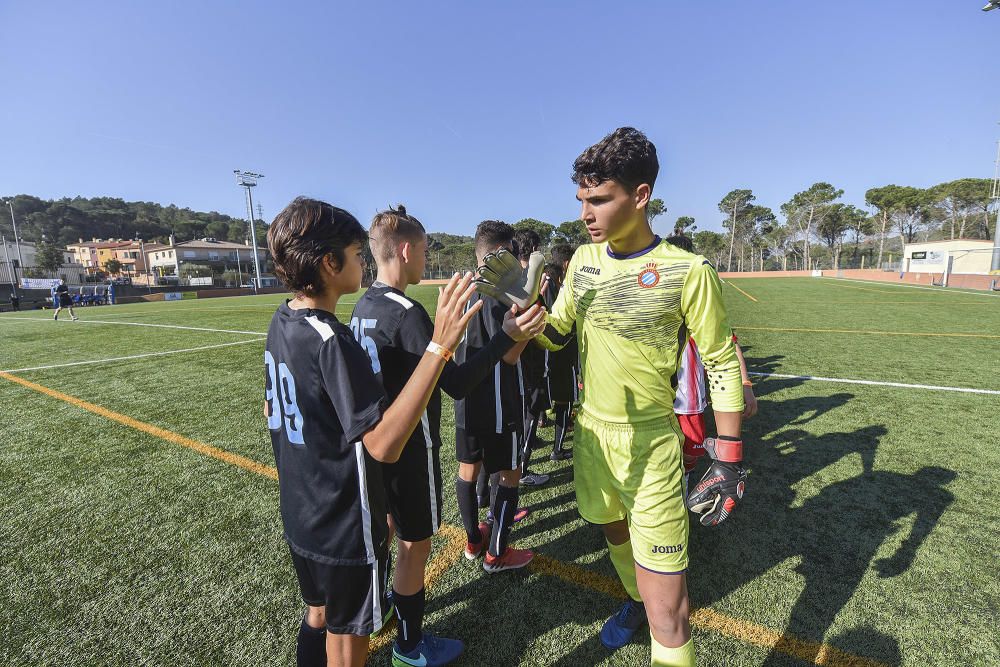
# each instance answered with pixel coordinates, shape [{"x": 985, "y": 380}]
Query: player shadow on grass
[{"x": 834, "y": 535}]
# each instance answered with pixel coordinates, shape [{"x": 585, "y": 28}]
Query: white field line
[
  {"x": 143, "y": 324},
  {"x": 132, "y": 356},
  {"x": 943, "y": 290},
  {"x": 901, "y": 385}
]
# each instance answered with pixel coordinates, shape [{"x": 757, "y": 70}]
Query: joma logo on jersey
[
  {"x": 675, "y": 549},
  {"x": 591, "y": 269},
  {"x": 649, "y": 276}
]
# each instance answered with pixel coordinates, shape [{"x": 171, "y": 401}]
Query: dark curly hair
[
  {"x": 526, "y": 241},
  {"x": 305, "y": 232},
  {"x": 490, "y": 234},
  {"x": 562, "y": 252},
  {"x": 681, "y": 241},
  {"x": 625, "y": 155}
]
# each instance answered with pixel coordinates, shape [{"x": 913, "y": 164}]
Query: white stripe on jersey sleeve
[
  {"x": 324, "y": 329},
  {"x": 401, "y": 300}
]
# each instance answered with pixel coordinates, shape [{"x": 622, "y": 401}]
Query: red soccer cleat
[
  {"x": 474, "y": 551},
  {"x": 511, "y": 559}
]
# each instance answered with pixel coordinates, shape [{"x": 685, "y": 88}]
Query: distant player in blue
[{"x": 62, "y": 299}]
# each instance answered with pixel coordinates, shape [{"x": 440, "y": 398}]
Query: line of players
[{"x": 354, "y": 412}]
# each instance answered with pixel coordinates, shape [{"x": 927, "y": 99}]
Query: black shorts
[
  {"x": 413, "y": 491},
  {"x": 65, "y": 301},
  {"x": 536, "y": 401},
  {"x": 354, "y": 595},
  {"x": 497, "y": 451},
  {"x": 563, "y": 383}
]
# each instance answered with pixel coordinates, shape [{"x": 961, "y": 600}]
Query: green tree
[
  {"x": 734, "y": 205},
  {"x": 48, "y": 256},
  {"x": 883, "y": 200},
  {"x": 807, "y": 209},
  {"x": 654, "y": 209},
  {"x": 573, "y": 232},
  {"x": 710, "y": 244},
  {"x": 835, "y": 225},
  {"x": 958, "y": 201},
  {"x": 113, "y": 266},
  {"x": 543, "y": 229},
  {"x": 757, "y": 222},
  {"x": 684, "y": 224}
]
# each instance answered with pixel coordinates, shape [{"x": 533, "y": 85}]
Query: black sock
[
  {"x": 562, "y": 421},
  {"x": 494, "y": 483},
  {"x": 310, "y": 649},
  {"x": 482, "y": 487},
  {"x": 526, "y": 455},
  {"x": 410, "y": 612},
  {"x": 468, "y": 508},
  {"x": 530, "y": 431},
  {"x": 504, "y": 509}
]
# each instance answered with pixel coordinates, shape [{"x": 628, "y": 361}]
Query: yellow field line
[
  {"x": 709, "y": 619},
  {"x": 740, "y": 327},
  {"x": 156, "y": 431},
  {"x": 866, "y": 289},
  {"x": 741, "y": 291},
  {"x": 943, "y": 304},
  {"x": 447, "y": 556},
  {"x": 705, "y": 618}
]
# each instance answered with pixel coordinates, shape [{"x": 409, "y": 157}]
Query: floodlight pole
[
  {"x": 17, "y": 243},
  {"x": 10, "y": 267},
  {"x": 145, "y": 263},
  {"x": 995, "y": 196},
  {"x": 248, "y": 180}
]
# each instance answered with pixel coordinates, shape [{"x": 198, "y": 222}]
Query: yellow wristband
[{"x": 439, "y": 350}]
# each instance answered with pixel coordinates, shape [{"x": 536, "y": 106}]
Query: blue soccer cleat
[
  {"x": 620, "y": 628},
  {"x": 430, "y": 652}
]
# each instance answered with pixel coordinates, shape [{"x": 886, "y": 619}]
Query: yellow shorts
[{"x": 635, "y": 471}]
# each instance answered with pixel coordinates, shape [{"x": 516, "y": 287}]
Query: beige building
[
  {"x": 217, "y": 257},
  {"x": 71, "y": 270},
  {"x": 966, "y": 255}
]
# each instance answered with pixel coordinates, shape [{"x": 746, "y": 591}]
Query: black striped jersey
[
  {"x": 494, "y": 405},
  {"x": 395, "y": 330},
  {"x": 321, "y": 398}
]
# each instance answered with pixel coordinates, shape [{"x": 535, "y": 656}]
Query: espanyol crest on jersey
[{"x": 649, "y": 276}]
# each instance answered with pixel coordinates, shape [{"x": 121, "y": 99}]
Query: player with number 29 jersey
[{"x": 310, "y": 358}]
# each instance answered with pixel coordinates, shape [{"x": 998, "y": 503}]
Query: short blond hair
[{"x": 391, "y": 227}]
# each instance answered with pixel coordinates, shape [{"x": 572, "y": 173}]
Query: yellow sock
[
  {"x": 682, "y": 656},
  {"x": 621, "y": 558}
]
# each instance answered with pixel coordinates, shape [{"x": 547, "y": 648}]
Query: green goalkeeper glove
[{"x": 502, "y": 277}]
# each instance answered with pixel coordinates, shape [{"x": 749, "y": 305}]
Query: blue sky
[{"x": 466, "y": 110}]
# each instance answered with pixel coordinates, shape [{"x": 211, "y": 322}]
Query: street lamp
[
  {"x": 145, "y": 261},
  {"x": 248, "y": 180},
  {"x": 17, "y": 243}
]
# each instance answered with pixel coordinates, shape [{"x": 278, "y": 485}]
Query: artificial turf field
[{"x": 140, "y": 522}]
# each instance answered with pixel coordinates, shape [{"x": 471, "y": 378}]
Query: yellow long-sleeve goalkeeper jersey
[{"x": 632, "y": 314}]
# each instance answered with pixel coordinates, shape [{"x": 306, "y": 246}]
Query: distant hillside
[{"x": 69, "y": 220}]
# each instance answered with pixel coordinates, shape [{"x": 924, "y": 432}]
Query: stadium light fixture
[
  {"x": 248, "y": 180},
  {"x": 17, "y": 242}
]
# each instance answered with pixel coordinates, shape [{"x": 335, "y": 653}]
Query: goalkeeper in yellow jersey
[{"x": 634, "y": 300}]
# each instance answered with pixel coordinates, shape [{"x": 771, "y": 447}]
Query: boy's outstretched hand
[
  {"x": 525, "y": 325},
  {"x": 451, "y": 318}
]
